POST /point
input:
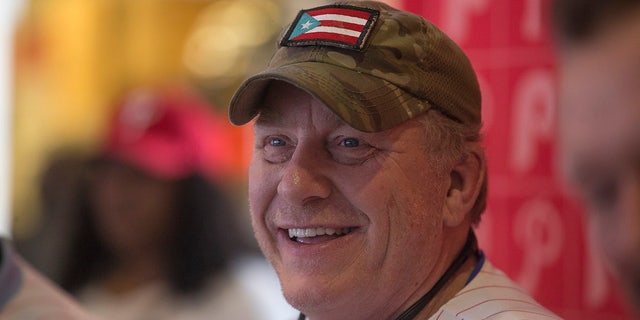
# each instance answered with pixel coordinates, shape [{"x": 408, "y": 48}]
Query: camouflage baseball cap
[{"x": 373, "y": 65}]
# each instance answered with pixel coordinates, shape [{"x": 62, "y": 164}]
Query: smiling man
[{"x": 368, "y": 173}]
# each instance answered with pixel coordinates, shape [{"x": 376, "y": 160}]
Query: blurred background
[{"x": 64, "y": 62}]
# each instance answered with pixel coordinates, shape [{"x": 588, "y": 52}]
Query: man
[
  {"x": 368, "y": 173},
  {"x": 599, "y": 45}
]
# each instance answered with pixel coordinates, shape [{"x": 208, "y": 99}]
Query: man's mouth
[{"x": 299, "y": 234}]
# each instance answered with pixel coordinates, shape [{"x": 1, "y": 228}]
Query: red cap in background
[{"x": 169, "y": 133}]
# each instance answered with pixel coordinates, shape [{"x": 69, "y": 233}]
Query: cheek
[
  {"x": 417, "y": 221},
  {"x": 262, "y": 186},
  {"x": 409, "y": 226},
  {"x": 256, "y": 189},
  {"x": 421, "y": 208},
  {"x": 408, "y": 212},
  {"x": 409, "y": 189}
]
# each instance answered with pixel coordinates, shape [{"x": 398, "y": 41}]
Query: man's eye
[
  {"x": 350, "y": 142},
  {"x": 276, "y": 142},
  {"x": 275, "y": 149},
  {"x": 352, "y": 151}
]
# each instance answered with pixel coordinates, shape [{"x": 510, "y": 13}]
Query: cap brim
[{"x": 365, "y": 102}]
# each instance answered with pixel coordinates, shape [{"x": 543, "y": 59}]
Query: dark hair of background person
[
  {"x": 575, "y": 21},
  {"x": 207, "y": 238}
]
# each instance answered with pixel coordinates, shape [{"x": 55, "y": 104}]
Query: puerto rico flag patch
[{"x": 339, "y": 26}]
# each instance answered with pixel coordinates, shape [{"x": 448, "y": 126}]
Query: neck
[
  {"x": 128, "y": 275},
  {"x": 449, "y": 284},
  {"x": 452, "y": 281},
  {"x": 450, "y": 289}
]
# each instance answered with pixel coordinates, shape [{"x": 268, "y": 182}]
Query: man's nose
[{"x": 303, "y": 179}]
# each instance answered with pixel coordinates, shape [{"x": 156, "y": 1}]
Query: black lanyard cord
[{"x": 470, "y": 247}]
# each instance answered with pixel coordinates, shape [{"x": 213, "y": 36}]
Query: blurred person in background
[
  {"x": 157, "y": 236},
  {"x": 599, "y": 46}
]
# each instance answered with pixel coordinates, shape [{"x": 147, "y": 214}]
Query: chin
[
  {"x": 310, "y": 298},
  {"x": 305, "y": 299}
]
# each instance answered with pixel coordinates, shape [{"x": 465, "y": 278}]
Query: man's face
[
  {"x": 600, "y": 142},
  {"x": 351, "y": 221}
]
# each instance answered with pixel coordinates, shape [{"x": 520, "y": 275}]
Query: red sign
[{"x": 532, "y": 229}]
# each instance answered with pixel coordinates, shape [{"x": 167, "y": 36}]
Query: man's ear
[{"x": 466, "y": 178}]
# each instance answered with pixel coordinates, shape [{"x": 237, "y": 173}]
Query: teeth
[{"x": 312, "y": 232}]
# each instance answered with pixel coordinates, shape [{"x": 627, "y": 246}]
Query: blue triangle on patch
[{"x": 305, "y": 23}]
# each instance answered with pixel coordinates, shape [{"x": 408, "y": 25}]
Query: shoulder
[
  {"x": 25, "y": 293},
  {"x": 492, "y": 294},
  {"x": 10, "y": 275}
]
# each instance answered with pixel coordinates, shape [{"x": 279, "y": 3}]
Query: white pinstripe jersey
[{"x": 491, "y": 295}]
